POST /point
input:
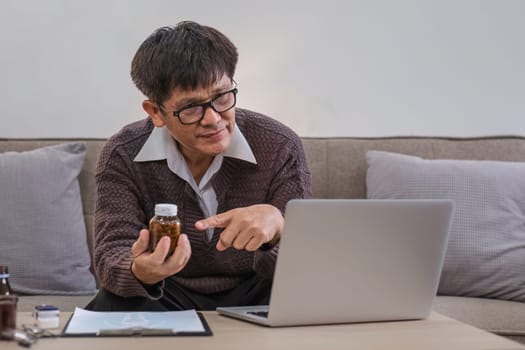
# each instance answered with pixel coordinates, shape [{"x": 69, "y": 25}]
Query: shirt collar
[{"x": 155, "y": 147}]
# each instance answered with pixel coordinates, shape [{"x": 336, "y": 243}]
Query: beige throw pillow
[
  {"x": 42, "y": 229},
  {"x": 486, "y": 249}
]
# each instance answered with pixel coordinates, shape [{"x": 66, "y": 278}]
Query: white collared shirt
[{"x": 161, "y": 145}]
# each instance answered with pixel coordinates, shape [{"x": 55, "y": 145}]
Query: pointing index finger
[{"x": 219, "y": 220}]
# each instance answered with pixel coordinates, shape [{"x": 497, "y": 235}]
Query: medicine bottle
[
  {"x": 5, "y": 288},
  {"x": 8, "y": 303},
  {"x": 164, "y": 223}
]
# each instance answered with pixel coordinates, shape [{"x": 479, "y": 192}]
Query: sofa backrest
[{"x": 337, "y": 165}]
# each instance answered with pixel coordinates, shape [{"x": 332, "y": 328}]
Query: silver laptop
[{"x": 344, "y": 261}]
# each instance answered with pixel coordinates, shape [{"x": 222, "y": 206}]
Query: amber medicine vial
[{"x": 164, "y": 223}]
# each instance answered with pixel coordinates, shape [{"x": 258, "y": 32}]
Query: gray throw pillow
[
  {"x": 42, "y": 229},
  {"x": 486, "y": 249}
]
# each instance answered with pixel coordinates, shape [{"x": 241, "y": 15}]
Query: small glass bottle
[
  {"x": 8, "y": 303},
  {"x": 5, "y": 288},
  {"x": 164, "y": 223}
]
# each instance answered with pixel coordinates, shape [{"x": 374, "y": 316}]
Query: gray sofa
[{"x": 338, "y": 167}]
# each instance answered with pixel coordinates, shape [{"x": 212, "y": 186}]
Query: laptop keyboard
[{"x": 259, "y": 313}]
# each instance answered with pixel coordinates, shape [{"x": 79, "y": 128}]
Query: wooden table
[{"x": 437, "y": 332}]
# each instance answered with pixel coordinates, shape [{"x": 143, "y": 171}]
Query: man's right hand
[{"x": 153, "y": 267}]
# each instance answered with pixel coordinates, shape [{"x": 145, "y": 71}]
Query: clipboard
[{"x": 97, "y": 325}]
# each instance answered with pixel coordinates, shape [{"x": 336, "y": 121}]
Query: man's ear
[{"x": 154, "y": 113}]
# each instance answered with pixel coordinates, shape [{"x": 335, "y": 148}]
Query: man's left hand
[{"x": 246, "y": 228}]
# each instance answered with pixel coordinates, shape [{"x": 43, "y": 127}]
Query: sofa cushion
[
  {"x": 42, "y": 231},
  {"x": 502, "y": 317},
  {"x": 65, "y": 303},
  {"x": 486, "y": 249}
]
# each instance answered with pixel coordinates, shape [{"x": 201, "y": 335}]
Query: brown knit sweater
[{"x": 127, "y": 192}]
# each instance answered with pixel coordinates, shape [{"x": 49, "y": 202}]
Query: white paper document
[{"x": 106, "y": 323}]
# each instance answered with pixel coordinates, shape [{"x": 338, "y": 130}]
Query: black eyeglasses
[{"x": 195, "y": 112}]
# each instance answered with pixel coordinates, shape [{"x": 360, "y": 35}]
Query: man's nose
[{"x": 210, "y": 116}]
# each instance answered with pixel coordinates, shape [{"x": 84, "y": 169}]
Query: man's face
[{"x": 206, "y": 138}]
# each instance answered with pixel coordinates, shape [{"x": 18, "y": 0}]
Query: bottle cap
[{"x": 165, "y": 209}]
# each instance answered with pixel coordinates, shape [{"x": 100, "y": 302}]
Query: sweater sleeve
[
  {"x": 118, "y": 221},
  {"x": 291, "y": 181}
]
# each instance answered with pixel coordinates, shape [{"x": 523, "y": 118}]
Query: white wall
[{"x": 325, "y": 68}]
